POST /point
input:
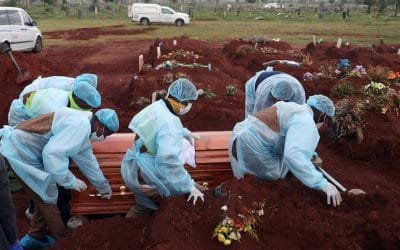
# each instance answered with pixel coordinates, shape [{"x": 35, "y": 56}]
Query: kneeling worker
[
  {"x": 280, "y": 139},
  {"x": 38, "y": 151},
  {"x": 155, "y": 156}
]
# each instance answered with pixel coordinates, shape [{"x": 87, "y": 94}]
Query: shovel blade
[{"x": 23, "y": 77}]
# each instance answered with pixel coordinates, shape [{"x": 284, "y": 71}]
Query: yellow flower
[
  {"x": 227, "y": 242},
  {"x": 221, "y": 238},
  {"x": 223, "y": 230}
]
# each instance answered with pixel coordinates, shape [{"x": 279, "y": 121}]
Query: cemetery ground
[{"x": 359, "y": 148}]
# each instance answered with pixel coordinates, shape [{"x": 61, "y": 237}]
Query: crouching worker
[
  {"x": 268, "y": 87},
  {"x": 280, "y": 139},
  {"x": 38, "y": 151},
  {"x": 155, "y": 156}
]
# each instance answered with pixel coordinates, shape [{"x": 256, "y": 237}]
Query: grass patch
[{"x": 209, "y": 24}]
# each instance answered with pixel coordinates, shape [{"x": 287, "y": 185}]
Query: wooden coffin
[{"x": 212, "y": 162}]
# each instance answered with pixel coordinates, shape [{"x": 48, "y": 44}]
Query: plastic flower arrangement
[
  {"x": 231, "y": 229},
  {"x": 393, "y": 75},
  {"x": 308, "y": 76},
  {"x": 358, "y": 71},
  {"x": 343, "y": 68},
  {"x": 375, "y": 88}
]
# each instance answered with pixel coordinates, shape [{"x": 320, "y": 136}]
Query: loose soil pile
[{"x": 295, "y": 216}]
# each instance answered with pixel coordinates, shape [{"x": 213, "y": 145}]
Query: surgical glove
[
  {"x": 195, "y": 193},
  {"x": 106, "y": 196},
  {"x": 332, "y": 194},
  {"x": 190, "y": 137},
  {"x": 80, "y": 185}
]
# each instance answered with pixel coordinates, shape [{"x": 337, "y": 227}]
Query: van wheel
[
  {"x": 179, "y": 22},
  {"x": 38, "y": 45},
  {"x": 144, "y": 21}
]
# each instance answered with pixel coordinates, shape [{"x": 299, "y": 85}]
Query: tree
[
  {"x": 382, "y": 5},
  {"x": 369, "y": 3}
]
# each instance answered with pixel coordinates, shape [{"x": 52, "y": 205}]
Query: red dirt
[
  {"x": 91, "y": 33},
  {"x": 295, "y": 216}
]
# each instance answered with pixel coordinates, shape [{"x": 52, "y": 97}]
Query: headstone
[
  {"x": 158, "y": 52},
  {"x": 314, "y": 40},
  {"x": 255, "y": 46},
  {"x": 174, "y": 42},
  {"x": 141, "y": 63},
  {"x": 339, "y": 43},
  {"x": 347, "y": 43},
  {"x": 398, "y": 52}
]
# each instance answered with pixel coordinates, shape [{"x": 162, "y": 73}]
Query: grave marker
[
  {"x": 339, "y": 43},
  {"x": 314, "y": 40},
  {"x": 141, "y": 63},
  {"x": 158, "y": 52}
]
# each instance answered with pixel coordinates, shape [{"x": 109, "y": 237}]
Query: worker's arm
[
  {"x": 250, "y": 95},
  {"x": 171, "y": 168},
  {"x": 89, "y": 166},
  {"x": 300, "y": 144},
  {"x": 66, "y": 140}
]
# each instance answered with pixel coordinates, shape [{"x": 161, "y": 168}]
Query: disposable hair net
[
  {"x": 282, "y": 90},
  {"x": 183, "y": 90},
  {"x": 109, "y": 118},
  {"x": 87, "y": 93},
  {"x": 90, "y": 78},
  {"x": 322, "y": 103}
]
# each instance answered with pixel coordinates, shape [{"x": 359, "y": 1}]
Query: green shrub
[
  {"x": 343, "y": 89},
  {"x": 244, "y": 49},
  {"x": 230, "y": 90}
]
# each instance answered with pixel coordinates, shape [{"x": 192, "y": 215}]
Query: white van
[
  {"x": 19, "y": 31},
  {"x": 153, "y": 13}
]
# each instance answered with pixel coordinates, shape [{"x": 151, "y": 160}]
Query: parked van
[
  {"x": 19, "y": 31},
  {"x": 153, "y": 13}
]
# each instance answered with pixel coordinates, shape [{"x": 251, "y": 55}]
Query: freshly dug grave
[{"x": 295, "y": 216}]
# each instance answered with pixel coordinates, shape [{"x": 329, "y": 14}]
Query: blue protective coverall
[
  {"x": 42, "y": 160},
  {"x": 162, "y": 134},
  {"x": 258, "y": 93},
  {"x": 270, "y": 155}
]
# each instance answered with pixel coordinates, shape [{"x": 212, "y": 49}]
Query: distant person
[
  {"x": 283, "y": 138},
  {"x": 39, "y": 151},
  {"x": 155, "y": 156},
  {"x": 267, "y": 87}
]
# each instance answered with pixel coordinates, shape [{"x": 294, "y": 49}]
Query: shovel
[
  {"x": 318, "y": 164},
  {"x": 23, "y": 75},
  {"x": 286, "y": 62}
]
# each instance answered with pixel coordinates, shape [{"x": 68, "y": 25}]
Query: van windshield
[{"x": 167, "y": 11}]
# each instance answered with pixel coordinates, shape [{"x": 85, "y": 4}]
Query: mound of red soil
[
  {"x": 90, "y": 33},
  {"x": 294, "y": 217}
]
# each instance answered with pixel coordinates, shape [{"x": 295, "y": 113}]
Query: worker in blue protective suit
[
  {"x": 47, "y": 94},
  {"x": 39, "y": 150},
  {"x": 59, "y": 82},
  {"x": 267, "y": 87},
  {"x": 155, "y": 154},
  {"x": 280, "y": 139}
]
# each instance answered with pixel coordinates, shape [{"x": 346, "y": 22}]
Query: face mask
[
  {"x": 185, "y": 110},
  {"x": 95, "y": 138},
  {"x": 321, "y": 120}
]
